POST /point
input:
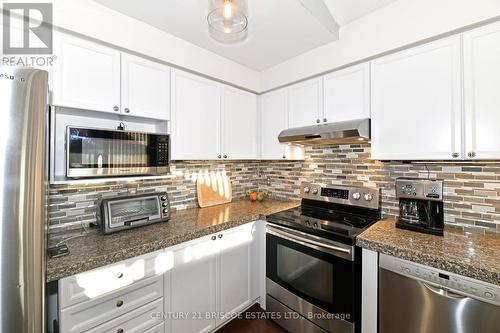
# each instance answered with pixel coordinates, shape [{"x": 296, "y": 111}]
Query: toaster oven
[{"x": 125, "y": 212}]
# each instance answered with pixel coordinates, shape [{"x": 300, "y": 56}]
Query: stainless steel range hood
[{"x": 344, "y": 132}]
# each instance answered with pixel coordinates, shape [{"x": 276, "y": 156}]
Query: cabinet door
[
  {"x": 195, "y": 117},
  {"x": 416, "y": 103},
  {"x": 239, "y": 124},
  {"x": 145, "y": 88},
  {"x": 305, "y": 103},
  {"x": 482, "y": 97},
  {"x": 234, "y": 270},
  {"x": 347, "y": 94},
  {"x": 192, "y": 287},
  {"x": 273, "y": 120},
  {"x": 86, "y": 75}
]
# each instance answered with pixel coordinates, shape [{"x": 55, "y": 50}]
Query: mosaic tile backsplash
[{"x": 472, "y": 190}]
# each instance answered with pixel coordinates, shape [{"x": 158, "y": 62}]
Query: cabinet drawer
[
  {"x": 138, "y": 321},
  {"x": 98, "y": 282},
  {"x": 157, "y": 329},
  {"x": 83, "y": 316}
]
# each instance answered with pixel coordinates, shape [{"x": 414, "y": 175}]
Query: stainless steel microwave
[{"x": 93, "y": 152}]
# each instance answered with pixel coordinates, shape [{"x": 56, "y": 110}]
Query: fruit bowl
[{"x": 256, "y": 195}]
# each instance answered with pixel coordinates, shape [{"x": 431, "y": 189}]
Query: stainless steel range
[{"x": 313, "y": 268}]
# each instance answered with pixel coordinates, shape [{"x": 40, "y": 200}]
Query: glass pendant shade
[{"x": 228, "y": 20}]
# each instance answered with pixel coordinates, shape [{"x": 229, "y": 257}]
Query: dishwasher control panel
[{"x": 450, "y": 281}]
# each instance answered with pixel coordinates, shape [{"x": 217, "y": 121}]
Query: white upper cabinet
[
  {"x": 482, "y": 95},
  {"x": 273, "y": 120},
  {"x": 347, "y": 94},
  {"x": 86, "y": 75},
  {"x": 195, "y": 115},
  {"x": 145, "y": 88},
  {"x": 94, "y": 77},
  {"x": 305, "y": 103},
  {"x": 416, "y": 103},
  {"x": 239, "y": 124}
]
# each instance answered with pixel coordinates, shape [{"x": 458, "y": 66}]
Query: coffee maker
[{"x": 420, "y": 205}]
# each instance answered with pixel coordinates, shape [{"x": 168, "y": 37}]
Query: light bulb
[{"x": 228, "y": 9}]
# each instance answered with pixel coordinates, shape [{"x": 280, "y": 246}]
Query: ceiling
[{"x": 278, "y": 29}]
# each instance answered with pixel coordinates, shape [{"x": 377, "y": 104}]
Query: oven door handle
[{"x": 332, "y": 249}]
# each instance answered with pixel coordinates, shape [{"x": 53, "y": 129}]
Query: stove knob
[
  {"x": 308, "y": 223},
  {"x": 315, "y": 225},
  {"x": 306, "y": 189},
  {"x": 368, "y": 197},
  {"x": 315, "y": 191},
  {"x": 356, "y": 196}
]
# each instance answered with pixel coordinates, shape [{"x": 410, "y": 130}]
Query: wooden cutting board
[{"x": 213, "y": 189}]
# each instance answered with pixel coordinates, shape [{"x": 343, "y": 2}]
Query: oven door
[
  {"x": 94, "y": 152},
  {"x": 320, "y": 274}
]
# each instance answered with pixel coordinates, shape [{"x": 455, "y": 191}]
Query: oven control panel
[
  {"x": 449, "y": 281},
  {"x": 347, "y": 195}
]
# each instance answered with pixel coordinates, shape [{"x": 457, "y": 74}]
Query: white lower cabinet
[
  {"x": 234, "y": 272},
  {"x": 190, "y": 291},
  {"x": 189, "y": 288},
  {"x": 210, "y": 281}
]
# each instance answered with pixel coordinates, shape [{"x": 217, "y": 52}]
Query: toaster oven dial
[
  {"x": 165, "y": 210},
  {"x": 164, "y": 204},
  {"x": 163, "y": 197}
]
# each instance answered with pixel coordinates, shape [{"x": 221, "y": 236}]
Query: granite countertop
[
  {"x": 466, "y": 253},
  {"x": 95, "y": 249}
]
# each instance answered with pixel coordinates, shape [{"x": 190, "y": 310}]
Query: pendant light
[{"x": 228, "y": 20}]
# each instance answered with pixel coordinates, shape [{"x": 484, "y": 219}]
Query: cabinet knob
[
  {"x": 127, "y": 110},
  {"x": 225, "y": 156},
  {"x": 116, "y": 109},
  {"x": 454, "y": 155},
  {"x": 318, "y": 121},
  {"x": 325, "y": 120},
  {"x": 471, "y": 154},
  {"x": 284, "y": 156},
  {"x": 119, "y": 275},
  {"x": 214, "y": 238},
  {"x": 119, "y": 303},
  {"x": 220, "y": 235},
  {"x": 219, "y": 156},
  {"x": 120, "y": 330}
]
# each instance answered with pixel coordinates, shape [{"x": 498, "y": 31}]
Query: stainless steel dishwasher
[{"x": 414, "y": 298}]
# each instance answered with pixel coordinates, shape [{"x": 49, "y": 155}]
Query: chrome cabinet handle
[
  {"x": 454, "y": 155},
  {"x": 220, "y": 235},
  {"x": 225, "y": 156},
  {"x": 116, "y": 109},
  {"x": 318, "y": 121},
  {"x": 127, "y": 110},
  {"x": 219, "y": 156},
  {"x": 284, "y": 156},
  {"x": 325, "y": 120},
  {"x": 119, "y": 303},
  {"x": 471, "y": 154},
  {"x": 119, "y": 275},
  {"x": 214, "y": 238}
]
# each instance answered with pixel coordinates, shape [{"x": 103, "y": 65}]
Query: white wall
[
  {"x": 401, "y": 23},
  {"x": 94, "y": 20}
]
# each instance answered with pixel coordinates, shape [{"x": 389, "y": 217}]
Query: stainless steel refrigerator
[{"x": 23, "y": 112}]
